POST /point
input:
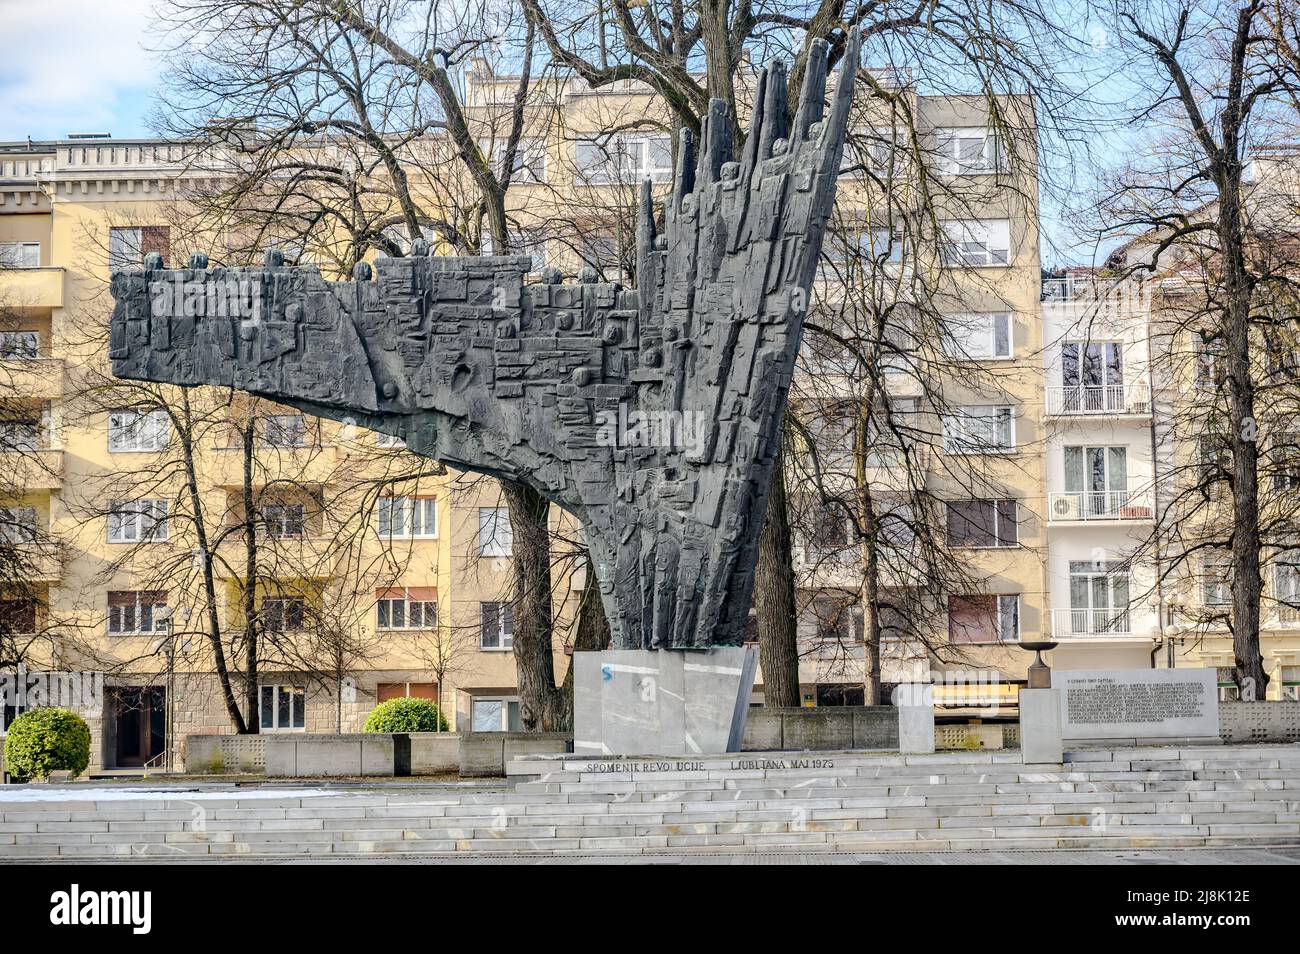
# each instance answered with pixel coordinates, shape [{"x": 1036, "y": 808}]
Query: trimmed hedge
[
  {"x": 406, "y": 715},
  {"x": 42, "y": 741}
]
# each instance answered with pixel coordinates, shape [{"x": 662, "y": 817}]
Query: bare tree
[{"x": 1221, "y": 82}]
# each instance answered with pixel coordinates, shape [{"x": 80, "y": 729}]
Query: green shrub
[
  {"x": 42, "y": 741},
  {"x": 406, "y": 715}
]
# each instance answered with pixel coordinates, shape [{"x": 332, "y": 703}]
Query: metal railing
[
  {"x": 1105, "y": 621},
  {"x": 1069, "y": 506},
  {"x": 1089, "y": 399}
]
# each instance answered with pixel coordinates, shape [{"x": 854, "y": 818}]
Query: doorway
[{"x": 140, "y": 724}]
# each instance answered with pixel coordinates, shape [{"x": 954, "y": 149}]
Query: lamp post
[{"x": 164, "y": 616}]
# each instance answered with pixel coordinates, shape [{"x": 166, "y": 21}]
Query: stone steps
[{"x": 1197, "y": 796}]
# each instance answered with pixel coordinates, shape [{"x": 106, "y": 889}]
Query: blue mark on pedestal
[{"x": 606, "y": 674}]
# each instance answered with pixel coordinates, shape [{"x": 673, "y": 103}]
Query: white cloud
[{"x": 74, "y": 66}]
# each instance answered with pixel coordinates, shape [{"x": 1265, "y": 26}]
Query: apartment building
[{"x": 100, "y": 490}]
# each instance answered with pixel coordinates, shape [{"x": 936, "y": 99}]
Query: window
[
  {"x": 530, "y": 158},
  {"x": 1209, "y": 362},
  {"x": 410, "y": 608},
  {"x": 1097, "y": 477},
  {"x": 127, "y": 247},
  {"x": 531, "y": 243},
  {"x": 21, "y": 436},
  {"x": 408, "y": 516},
  {"x": 136, "y": 612},
  {"x": 17, "y": 616},
  {"x": 20, "y": 345},
  {"x": 283, "y": 707},
  {"x": 18, "y": 525},
  {"x": 495, "y": 715},
  {"x": 407, "y": 690},
  {"x": 138, "y": 430},
  {"x": 979, "y": 335},
  {"x": 282, "y": 613},
  {"x": 284, "y": 521},
  {"x": 969, "y": 150},
  {"x": 830, "y": 532},
  {"x": 1287, "y": 579},
  {"x": 976, "y": 243},
  {"x": 627, "y": 159},
  {"x": 284, "y": 430},
  {"x": 20, "y": 254},
  {"x": 1092, "y": 373},
  {"x": 982, "y": 523},
  {"x": 838, "y": 619},
  {"x": 873, "y": 152},
  {"x": 1099, "y": 597},
  {"x": 134, "y": 521},
  {"x": 1291, "y": 683},
  {"x": 1216, "y": 579},
  {"x": 497, "y": 626},
  {"x": 979, "y": 430},
  {"x": 495, "y": 535},
  {"x": 984, "y": 618}
]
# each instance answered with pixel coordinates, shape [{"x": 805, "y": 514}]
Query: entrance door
[{"x": 140, "y": 716}]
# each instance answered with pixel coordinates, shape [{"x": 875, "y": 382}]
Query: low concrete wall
[
  {"x": 332, "y": 756},
  {"x": 434, "y": 753},
  {"x": 486, "y": 753},
  {"x": 1269, "y": 721},
  {"x": 967, "y": 737},
  {"x": 224, "y": 754},
  {"x": 770, "y": 729}
]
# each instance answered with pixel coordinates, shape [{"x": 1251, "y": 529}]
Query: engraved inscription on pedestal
[{"x": 1138, "y": 703}]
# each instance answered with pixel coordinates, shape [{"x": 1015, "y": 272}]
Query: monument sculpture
[{"x": 466, "y": 362}]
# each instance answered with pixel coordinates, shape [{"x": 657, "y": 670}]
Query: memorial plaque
[{"x": 1138, "y": 703}]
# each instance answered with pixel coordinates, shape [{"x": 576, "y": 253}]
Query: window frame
[
  {"x": 384, "y": 607},
  {"x": 139, "y": 606},
  {"x": 961, "y": 236},
  {"x": 505, "y": 614},
  {"x": 297, "y": 706},
  {"x": 20, "y": 260},
  {"x": 388, "y": 509},
  {"x": 10, "y": 351},
  {"x": 994, "y": 318},
  {"x": 970, "y": 412},
  {"x": 494, "y": 546},
  {"x": 147, "y": 515},
  {"x": 1001, "y": 541},
  {"x": 152, "y": 429}
]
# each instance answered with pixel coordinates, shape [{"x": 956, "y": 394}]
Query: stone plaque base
[
  {"x": 1040, "y": 726},
  {"x": 662, "y": 701}
]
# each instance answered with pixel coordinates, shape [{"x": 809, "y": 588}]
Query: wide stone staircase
[{"x": 752, "y": 802}]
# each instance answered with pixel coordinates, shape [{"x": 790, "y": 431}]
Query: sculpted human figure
[{"x": 540, "y": 383}]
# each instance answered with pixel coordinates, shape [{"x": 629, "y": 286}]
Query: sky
[
  {"x": 99, "y": 78},
  {"x": 72, "y": 66}
]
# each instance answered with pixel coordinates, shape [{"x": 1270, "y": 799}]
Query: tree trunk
[
  {"x": 539, "y": 699},
  {"x": 251, "y": 622},
  {"x": 774, "y": 600},
  {"x": 870, "y": 598},
  {"x": 592, "y": 636}
]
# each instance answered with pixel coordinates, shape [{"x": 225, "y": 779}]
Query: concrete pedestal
[
  {"x": 1040, "y": 725},
  {"x": 916, "y": 729},
  {"x": 662, "y": 702}
]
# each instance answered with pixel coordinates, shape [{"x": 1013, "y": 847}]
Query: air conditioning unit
[{"x": 1067, "y": 507}]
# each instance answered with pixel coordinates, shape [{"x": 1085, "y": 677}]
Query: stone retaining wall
[{"x": 1269, "y": 721}]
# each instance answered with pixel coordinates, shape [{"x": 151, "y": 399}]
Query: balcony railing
[
  {"x": 1085, "y": 400},
  {"x": 1072, "y": 506},
  {"x": 1103, "y": 622}
]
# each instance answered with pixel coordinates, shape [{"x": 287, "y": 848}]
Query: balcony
[
  {"x": 1100, "y": 506},
  {"x": 39, "y": 379},
  {"x": 1111, "y": 400},
  {"x": 1105, "y": 623},
  {"x": 31, "y": 288},
  {"x": 34, "y": 469}
]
